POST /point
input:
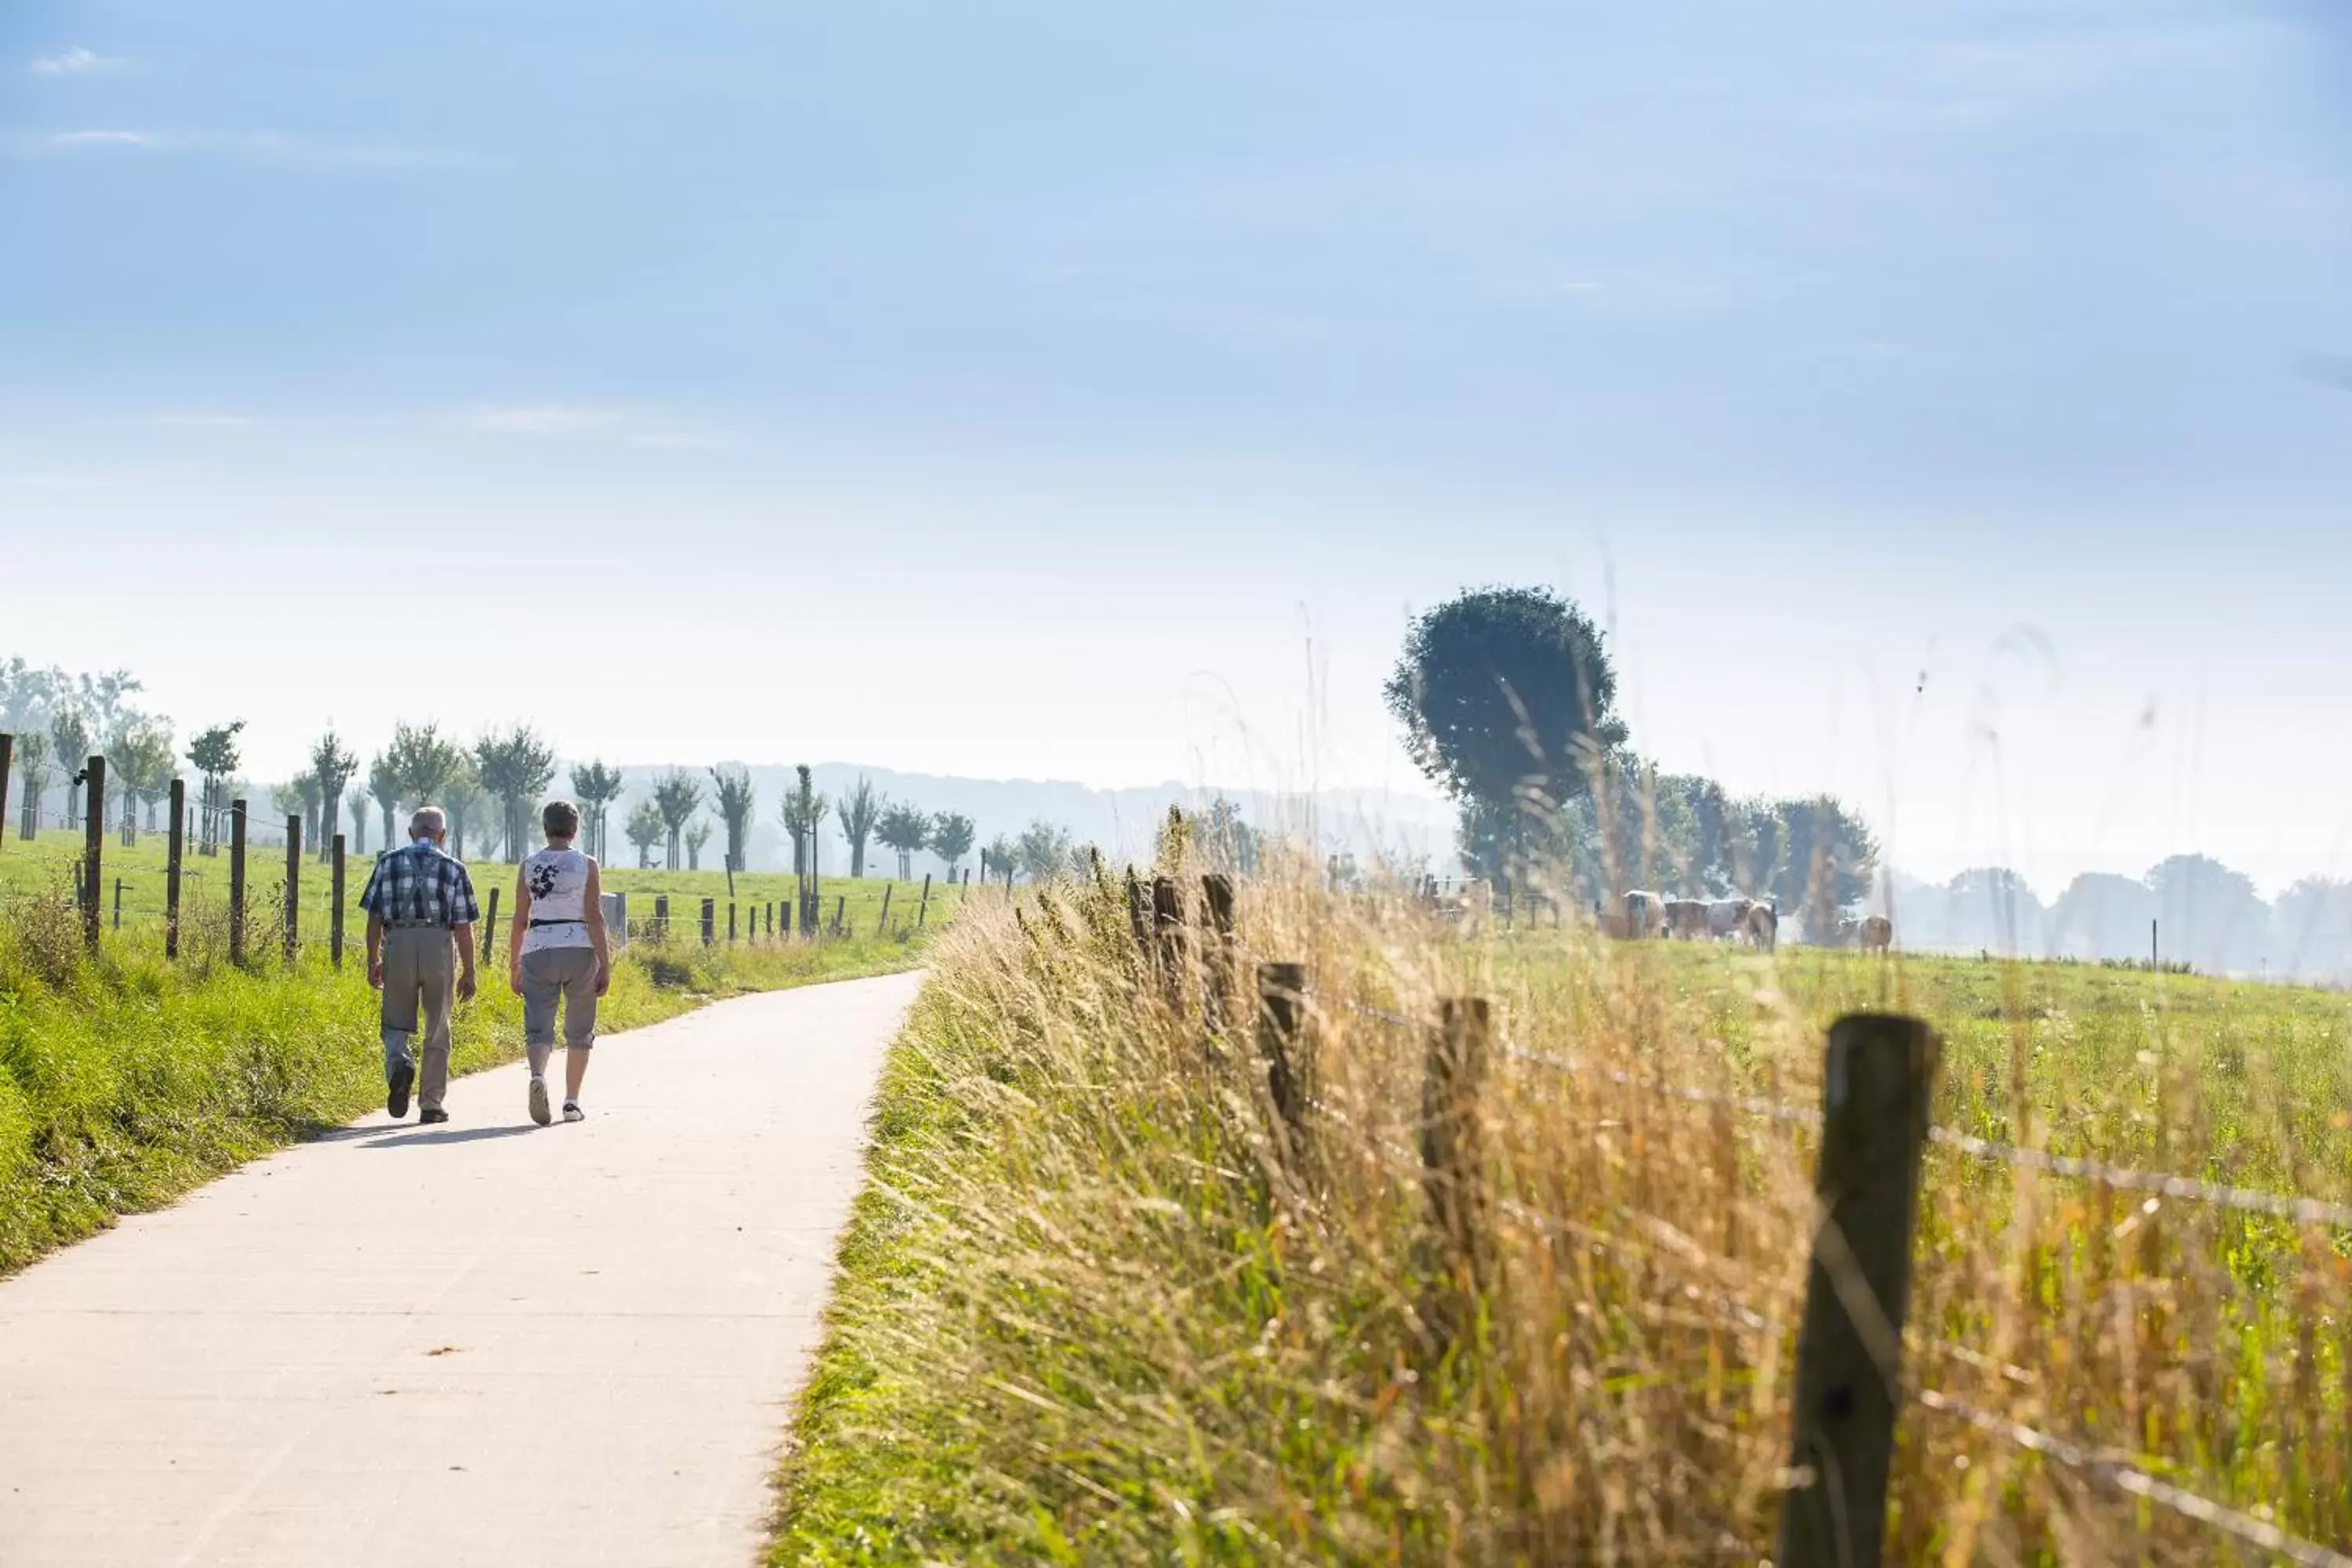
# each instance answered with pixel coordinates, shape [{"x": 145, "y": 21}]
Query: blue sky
[{"x": 1092, "y": 391}]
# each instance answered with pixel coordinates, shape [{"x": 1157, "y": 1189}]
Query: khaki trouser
[
  {"x": 554, "y": 973},
  {"x": 420, "y": 968}
]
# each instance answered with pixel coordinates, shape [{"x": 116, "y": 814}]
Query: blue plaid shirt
[{"x": 420, "y": 886}]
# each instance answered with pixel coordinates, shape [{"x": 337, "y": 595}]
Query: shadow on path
[{"x": 446, "y": 1135}]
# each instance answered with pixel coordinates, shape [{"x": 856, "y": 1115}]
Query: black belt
[{"x": 574, "y": 921}]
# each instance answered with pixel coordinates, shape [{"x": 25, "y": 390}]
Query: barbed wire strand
[{"x": 2137, "y": 1482}]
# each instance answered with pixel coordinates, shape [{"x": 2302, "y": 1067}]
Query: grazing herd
[{"x": 1645, "y": 915}]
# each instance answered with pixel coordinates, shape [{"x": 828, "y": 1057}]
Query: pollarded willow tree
[
  {"x": 142, "y": 759},
  {"x": 423, "y": 763},
  {"x": 861, "y": 810},
  {"x": 733, "y": 794},
  {"x": 33, "y": 773},
  {"x": 675, "y": 797},
  {"x": 334, "y": 763},
  {"x": 695, "y": 837},
  {"x": 903, "y": 828},
  {"x": 595, "y": 786},
  {"x": 802, "y": 812},
  {"x": 515, "y": 766},
  {"x": 360, "y": 802},
  {"x": 69, "y": 733},
  {"x": 462, "y": 801},
  {"x": 643, "y": 828},
  {"x": 384, "y": 789},
  {"x": 215, "y": 752},
  {"x": 951, "y": 834}
]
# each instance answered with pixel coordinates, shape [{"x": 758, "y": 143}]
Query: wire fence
[{"x": 2115, "y": 1473}]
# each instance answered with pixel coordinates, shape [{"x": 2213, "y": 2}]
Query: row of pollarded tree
[{"x": 668, "y": 819}]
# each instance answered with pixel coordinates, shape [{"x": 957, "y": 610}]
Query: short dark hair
[{"x": 561, "y": 818}]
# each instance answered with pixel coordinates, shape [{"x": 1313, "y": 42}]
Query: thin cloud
[
  {"x": 75, "y": 61},
  {"x": 545, "y": 419},
  {"x": 206, "y": 421},
  {"x": 2327, "y": 370},
  {"x": 255, "y": 146}
]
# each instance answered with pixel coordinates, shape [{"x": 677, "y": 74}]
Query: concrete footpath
[{"x": 486, "y": 1344}]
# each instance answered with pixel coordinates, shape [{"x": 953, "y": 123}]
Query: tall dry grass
[{"x": 1096, "y": 1307}]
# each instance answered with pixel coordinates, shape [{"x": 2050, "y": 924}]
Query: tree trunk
[{"x": 857, "y": 857}]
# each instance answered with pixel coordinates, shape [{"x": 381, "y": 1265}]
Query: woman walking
[{"x": 558, "y": 952}]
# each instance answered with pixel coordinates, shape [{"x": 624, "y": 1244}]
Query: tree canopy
[
  {"x": 951, "y": 834},
  {"x": 1506, "y": 697},
  {"x": 735, "y": 798},
  {"x": 861, "y": 810}
]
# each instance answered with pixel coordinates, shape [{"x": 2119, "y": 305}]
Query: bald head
[{"x": 428, "y": 823}]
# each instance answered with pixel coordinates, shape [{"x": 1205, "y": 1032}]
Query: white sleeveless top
[{"x": 558, "y": 881}]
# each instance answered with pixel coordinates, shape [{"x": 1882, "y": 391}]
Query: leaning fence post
[
  {"x": 175, "y": 850},
  {"x": 710, "y": 921},
  {"x": 236, "y": 882},
  {"x": 1281, "y": 1016},
  {"x": 1876, "y": 1081},
  {"x": 93, "y": 849},
  {"x": 7, "y": 759},
  {"x": 293, "y": 887},
  {"x": 883, "y": 924},
  {"x": 923, "y": 910},
  {"x": 335, "y": 893},
  {"x": 1452, "y": 1151},
  {"x": 490, "y": 929}
]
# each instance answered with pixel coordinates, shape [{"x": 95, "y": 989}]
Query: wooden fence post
[
  {"x": 1217, "y": 953},
  {"x": 293, "y": 887},
  {"x": 335, "y": 892},
  {"x": 118, "y": 903},
  {"x": 7, "y": 761},
  {"x": 883, "y": 924},
  {"x": 923, "y": 910},
  {"x": 490, "y": 927},
  {"x": 1167, "y": 935},
  {"x": 661, "y": 917},
  {"x": 1281, "y": 1016},
  {"x": 93, "y": 848},
  {"x": 1452, "y": 1149},
  {"x": 731, "y": 922},
  {"x": 786, "y": 905},
  {"x": 175, "y": 851},
  {"x": 236, "y": 882},
  {"x": 841, "y": 915},
  {"x": 1876, "y": 1083},
  {"x": 1139, "y": 915},
  {"x": 710, "y": 920}
]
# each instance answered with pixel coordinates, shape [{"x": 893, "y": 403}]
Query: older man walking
[{"x": 420, "y": 949}]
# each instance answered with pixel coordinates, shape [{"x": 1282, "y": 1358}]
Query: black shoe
[
  {"x": 428, "y": 1116},
  {"x": 396, "y": 1103}
]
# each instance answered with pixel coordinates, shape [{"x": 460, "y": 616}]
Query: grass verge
[
  {"x": 125, "y": 1081},
  {"x": 1090, "y": 1308}
]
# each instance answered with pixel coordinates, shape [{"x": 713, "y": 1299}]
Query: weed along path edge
[{"x": 479, "y": 1344}]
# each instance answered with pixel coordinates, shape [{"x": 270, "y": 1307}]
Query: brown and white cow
[
  {"x": 1878, "y": 934},
  {"x": 1645, "y": 916},
  {"x": 1763, "y": 927}
]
